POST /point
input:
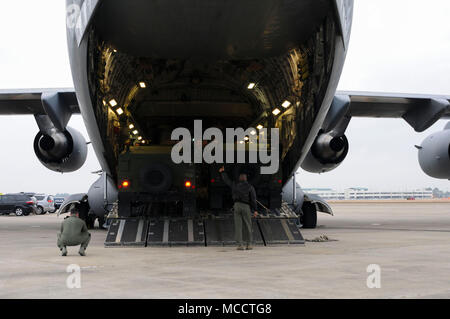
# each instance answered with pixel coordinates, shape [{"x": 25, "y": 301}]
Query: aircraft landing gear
[
  {"x": 90, "y": 221},
  {"x": 309, "y": 215}
]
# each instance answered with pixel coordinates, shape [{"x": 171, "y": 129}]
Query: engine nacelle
[
  {"x": 434, "y": 155},
  {"x": 61, "y": 151},
  {"x": 327, "y": 153}
]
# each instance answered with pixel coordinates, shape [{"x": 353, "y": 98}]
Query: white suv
[{"x": 45, "y": 204}]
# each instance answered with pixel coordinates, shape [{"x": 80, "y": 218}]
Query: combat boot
[{"x": 82, "y": 251}]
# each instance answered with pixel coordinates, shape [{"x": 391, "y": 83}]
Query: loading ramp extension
[{"x": 211, "y": 231}]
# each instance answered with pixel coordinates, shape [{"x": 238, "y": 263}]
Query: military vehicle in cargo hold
[{"x": 151, "y": 184}]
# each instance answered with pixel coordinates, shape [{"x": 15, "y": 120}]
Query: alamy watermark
[
  {"x": 74, "y": 279},
  {"x": 374, "y": 279},
  {"x": 258, "y": 142}
]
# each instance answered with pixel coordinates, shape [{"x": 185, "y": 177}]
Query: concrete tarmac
[{"x": 409, "y": 241}]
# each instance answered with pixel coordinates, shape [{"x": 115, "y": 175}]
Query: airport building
[{"x": 366, "y": 194}]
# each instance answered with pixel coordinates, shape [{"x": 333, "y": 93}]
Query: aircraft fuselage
[{"x": 167, "y": 63}]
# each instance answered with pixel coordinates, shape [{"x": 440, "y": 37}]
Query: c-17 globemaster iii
[{"x": 144, "y": 68}]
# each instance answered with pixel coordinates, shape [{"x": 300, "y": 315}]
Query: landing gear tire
[
  {"x": 90, "y": 220},
  {"x": 18, "y": 211},
  {"x": 101, "y": 222},
  {"x": 309, "y": 216}
]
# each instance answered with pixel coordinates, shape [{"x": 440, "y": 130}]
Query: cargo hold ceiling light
[
  {"x": 113, "y": 102},
  {"x": 251, "y": 86},
  {"x": 119, "y": 111},
  {"x": 142, "y": 85},
  {"x": 131, "y": 126},
  {"x": 135, "y": 132},
  {"x": 276, "y": 111},
  {"x": 286, "y": 104},
  {"x": 260, "y": 127},
  {"x": 140, "y": 138}
]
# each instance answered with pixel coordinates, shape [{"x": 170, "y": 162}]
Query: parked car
[
  {"x": 19, "y": 204},
  {"x": 45, "y": 204},
  {"x": 58, "y": 202}
]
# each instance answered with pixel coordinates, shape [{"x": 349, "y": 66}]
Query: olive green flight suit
[
  {"x": 74, "y": 232},
  {"x": 242, "y": 214}
]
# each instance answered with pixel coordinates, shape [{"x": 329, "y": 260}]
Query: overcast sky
[{"x": 396, "y": 46}]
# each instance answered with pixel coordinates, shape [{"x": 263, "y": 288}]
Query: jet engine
[
  {"x": 63, "y": 152},
  {"x": 327, "y": 153},
  {"x": 434, "y": 155}
]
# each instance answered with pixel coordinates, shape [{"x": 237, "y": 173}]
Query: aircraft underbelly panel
[{"x": 209, "y": 29}]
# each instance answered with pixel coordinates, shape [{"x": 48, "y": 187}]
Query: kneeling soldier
[{"x": 74, "y": 232}]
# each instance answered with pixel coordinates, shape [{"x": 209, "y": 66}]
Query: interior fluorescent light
[
  {"x": 259, "y": 127},
  {"x": 286, "y": 104},
  {"x": 135, "y": 132},
  {"x": 276, "y": 112},
  {"x": 119, "y": 111},
  {"x": 131, "y": 126},
  {"x": 251, "y": 86},
  {"x": 142, "y": 85},
  {"x": 112, "y": 102}
]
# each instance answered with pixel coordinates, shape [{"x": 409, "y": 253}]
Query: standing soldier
[
  {"x": 74, "y": 232},
  {"x": 244, "y": 197}
]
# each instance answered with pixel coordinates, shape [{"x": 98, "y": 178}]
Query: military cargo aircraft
[{"x": 143, "y": 68}]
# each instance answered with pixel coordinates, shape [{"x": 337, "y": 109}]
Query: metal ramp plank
[
  {"x": 156, "y": 233},
  {"x": 176, "y": 232},
  {"x": 220, "y": 232},
  {"x": 277, "y": 231},
  {"x": 127, "y": 232},
  {"x": 216, "y": 231}
]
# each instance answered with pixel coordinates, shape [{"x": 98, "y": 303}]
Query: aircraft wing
[
  {"x": 420, "y": 111},
  {"x": 29, "y": 101}
]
